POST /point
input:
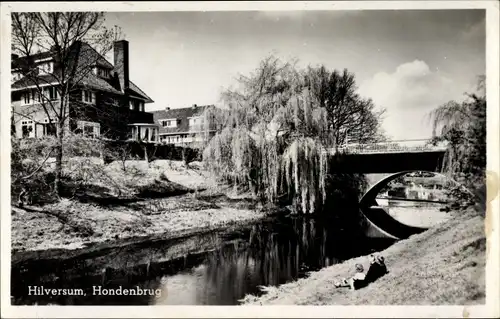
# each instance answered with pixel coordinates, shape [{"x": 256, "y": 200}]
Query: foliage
[
  {"x": 33, "y": 166},
  {"x": 27, "y": 169},
  {"x": 350, "y": 117},
  {"x": 463, "y": 126},
  {"x": 276, "y": 126}
]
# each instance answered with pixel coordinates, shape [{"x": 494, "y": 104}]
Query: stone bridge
[
  {"x": 388, "y": 157},
  {"x": 388, "y": 160}
]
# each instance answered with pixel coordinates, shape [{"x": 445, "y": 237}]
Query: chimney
[
  {"x": 167, "y": 108},
  {"x": 121, "y": 63}
]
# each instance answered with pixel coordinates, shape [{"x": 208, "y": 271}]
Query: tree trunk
[
  {"x": 146, "y": 158},
  {"x": 59, "y": 157}
]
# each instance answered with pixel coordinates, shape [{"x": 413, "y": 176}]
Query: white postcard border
[{"x": 491, "y": 309}]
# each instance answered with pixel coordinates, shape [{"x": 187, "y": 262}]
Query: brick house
[
  {"x": 103, "y": 101},
  {"x": 183, "y": 126}
]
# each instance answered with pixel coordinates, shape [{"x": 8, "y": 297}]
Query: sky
[{"x": 407, "y": 61}]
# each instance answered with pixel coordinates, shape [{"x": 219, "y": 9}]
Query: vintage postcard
[{"x": 250, "y": 159}]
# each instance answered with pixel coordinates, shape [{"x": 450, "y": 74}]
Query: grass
[
  {"x": 138, "y": 177},
  {"x": 112, "y": 204},
  {"x": 442, "y": 266}
]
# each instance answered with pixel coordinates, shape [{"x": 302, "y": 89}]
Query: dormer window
[
  {"x": 102, "y": 72},
  {"x": 169, "y": 123}
]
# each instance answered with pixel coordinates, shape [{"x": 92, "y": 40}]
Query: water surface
[{"x": 218, "y": 268}]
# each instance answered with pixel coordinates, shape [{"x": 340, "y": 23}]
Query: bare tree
[
  {"x": 76, "y": 41},
  {"x": 120, "y": 152}
]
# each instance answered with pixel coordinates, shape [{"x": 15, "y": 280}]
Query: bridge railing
[{"x": 392, "y": 147}]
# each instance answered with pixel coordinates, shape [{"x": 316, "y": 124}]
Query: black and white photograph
[{"x": 257, "y": 156}]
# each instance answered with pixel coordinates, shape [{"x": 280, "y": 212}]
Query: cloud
[{"x": 409, "y": 94}]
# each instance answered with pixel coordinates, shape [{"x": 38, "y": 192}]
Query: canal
[{"x": 217, "y": 268}]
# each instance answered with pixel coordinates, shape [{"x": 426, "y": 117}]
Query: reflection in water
[{"x": 268, "y": 253}]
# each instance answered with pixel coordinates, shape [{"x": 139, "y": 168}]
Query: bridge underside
[
  {"x": 380, "y": 224},
  {"x": 387, "y": 162}
]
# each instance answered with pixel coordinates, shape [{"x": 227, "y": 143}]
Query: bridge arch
[
  {"x": 381, "y": 221},
  {"x": 368, "y": 198}
]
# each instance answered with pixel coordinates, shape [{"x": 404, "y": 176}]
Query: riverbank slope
[
  {"x": 163, "y": 199},
  {"x": 442, "y": 266}
]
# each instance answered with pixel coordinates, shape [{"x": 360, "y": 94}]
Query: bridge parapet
[{"x": 404, "y": 146}]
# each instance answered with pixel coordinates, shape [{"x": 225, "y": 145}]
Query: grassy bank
[
  {"x": 444, "y": 265},
  {"x": 162, "y": 199}
]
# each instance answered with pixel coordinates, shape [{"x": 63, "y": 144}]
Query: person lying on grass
[{"x": 376, "y": 270}]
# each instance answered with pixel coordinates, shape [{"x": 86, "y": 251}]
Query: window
[
  {"x": 136, "y": 105},
  {"x": 36, "y": 96},
  {"x": 27, "y": 97},
  {"x": 88, "y": 97},
  {"x": 50, "y": 92},
  {"x": 153, "y": 134},
  {"x": 89, "y": 129},
  {"x": 101, "y": 72},
  {"x": 133, "y": 133},
  {"x": 46, "y": 68},
  {"x": 169, "y": 123},
  {"x": 49, "y": 128},
  {"x": 28, "y": 128},
  {"x": 196, "y": 122}
]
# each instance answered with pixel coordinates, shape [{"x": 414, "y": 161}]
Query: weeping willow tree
[
  {"x": 463, "y": 126},
  {"x": 276, "y": 126}
]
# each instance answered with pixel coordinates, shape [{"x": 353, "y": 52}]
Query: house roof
[
  {"x": 137, "y": 92},
  {"x": 16, "y": 63},
  {"x": 85, "y": 56},
  {"x": 26, "y": 82},
  {"x": 181, "y": 114}
]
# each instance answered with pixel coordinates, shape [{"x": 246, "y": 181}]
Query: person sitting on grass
[
  {"x": 376, "y": 270},
  {"x": 350, "y": 282}
]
